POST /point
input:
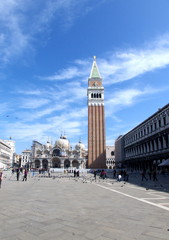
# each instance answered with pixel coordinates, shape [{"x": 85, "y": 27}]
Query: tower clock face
[{"x": 95, "y": 84}]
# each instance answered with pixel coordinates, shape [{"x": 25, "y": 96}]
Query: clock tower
[{"x": 96, "y": 120}]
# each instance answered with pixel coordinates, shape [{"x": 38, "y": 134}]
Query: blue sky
[{"x": 46, "y": 55}]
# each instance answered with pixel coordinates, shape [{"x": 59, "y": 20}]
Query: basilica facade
[{"x": 59, "y": 155}]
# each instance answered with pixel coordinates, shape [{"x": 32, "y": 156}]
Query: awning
[{"x": 165, "y": 163}]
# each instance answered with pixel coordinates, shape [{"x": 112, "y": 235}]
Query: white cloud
[
  {"x": 72, "y": 72},
  {"x": 19, "y": 29},
  {"x": 53, "y": 127},
  {"x": 128, "y": 97},
  {"x": 13, "y": 39},
  {"x": 21, "y": 131},
  {"x": 120, "y": 66},
  {"x": 126, "y": 65},
  {"x": 33, "y": 103},
  {"x": 29, "y": 92},
  {"x": 33, "y": 115},
  {"x": 64, "y": 74}
]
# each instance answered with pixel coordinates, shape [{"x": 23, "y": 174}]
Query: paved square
[{"x": 63, "y": 207}]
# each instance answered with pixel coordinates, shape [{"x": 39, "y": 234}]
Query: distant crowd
[{"x": 122, "y": 174}]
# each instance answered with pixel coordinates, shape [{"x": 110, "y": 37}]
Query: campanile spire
[{"x": 94, "y": 71}]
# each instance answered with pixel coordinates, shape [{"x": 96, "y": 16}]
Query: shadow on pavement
[{"x": 162, "y": 184}]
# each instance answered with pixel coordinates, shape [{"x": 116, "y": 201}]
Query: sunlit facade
[{"x": 59, "y": 155}]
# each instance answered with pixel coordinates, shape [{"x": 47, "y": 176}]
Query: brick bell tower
[{"x": 96, "y": 120}]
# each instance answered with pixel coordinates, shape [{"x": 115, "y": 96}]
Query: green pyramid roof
[{"x": 95, "y": 71}]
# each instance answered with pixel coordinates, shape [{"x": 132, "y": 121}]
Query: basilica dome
[
  {"x": 80, "y": 146},
  {"x": 48, "y": 145},
  {"x": 62, "y": 143}
]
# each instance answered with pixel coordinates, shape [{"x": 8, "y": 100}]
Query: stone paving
[{"x": 63, "y": 207}]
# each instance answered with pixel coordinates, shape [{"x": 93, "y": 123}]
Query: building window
[
  {"x": 152, "y": 144},
  {"x": 155, "y": 126},
  {"x": 167, "y": 140},
  {"x": 151, "y": 127},
  {"x": 112, "y": 153},
  {"x": 159, "y": 123},
  {"x": 147, "y": 129},
  {"x": 164, "y": 121},
  {"x": 156, "y": 141}
]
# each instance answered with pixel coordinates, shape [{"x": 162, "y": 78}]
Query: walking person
[
  {"x": 1, "y": 173},
  {"x": 17, "y": 174},
  {"x": 124, "y": 175},
  {"x": 95, "y": 174},
  {"x": 75, "y": 173},
  {"x": 127, "y": 176},
  {"x": 114, "y": 173},
  {"x": 49, "y": 172},
  {"x": 143, "y": 174},
  {"x": 155, "y": 175},
  {"x": 25, "y": 175},
  {"x": 149, "y": 174},
  {"x": 119, "y": 177}
]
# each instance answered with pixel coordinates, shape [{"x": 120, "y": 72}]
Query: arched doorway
[
  {"x": 66, "y": 163},
  {"x": 37, "y": 163},
  {"x": 75, "y": 163},
  {"x": 56, "y": 163},
  {"x": 45, "y": 163}
]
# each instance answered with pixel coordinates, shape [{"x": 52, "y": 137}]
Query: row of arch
[
  {"x": 55, "y": 163},
  {"x": 156, "y": 144},
  {"x": 96, "y": 95}
]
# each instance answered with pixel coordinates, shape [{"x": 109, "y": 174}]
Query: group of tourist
[
  {"x": 152, "y": 174},
  {"x": 124, "y": 175},
  {"x": 120, "y": 175},
  {"x": 76, "y": 173},
  {"x": 102, "y": 173},
  {"x": 19, "y": 171}
]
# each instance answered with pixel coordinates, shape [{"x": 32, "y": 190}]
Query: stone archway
[
  {"x": 66, "y": 163},
  {"x": 37, "y": 163},
  {"x": 45, "y": 163},
  {"x": 75, "y": 163},
  {"x": 56, "y": 152},
  {"x": 56, "y": 163}
]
